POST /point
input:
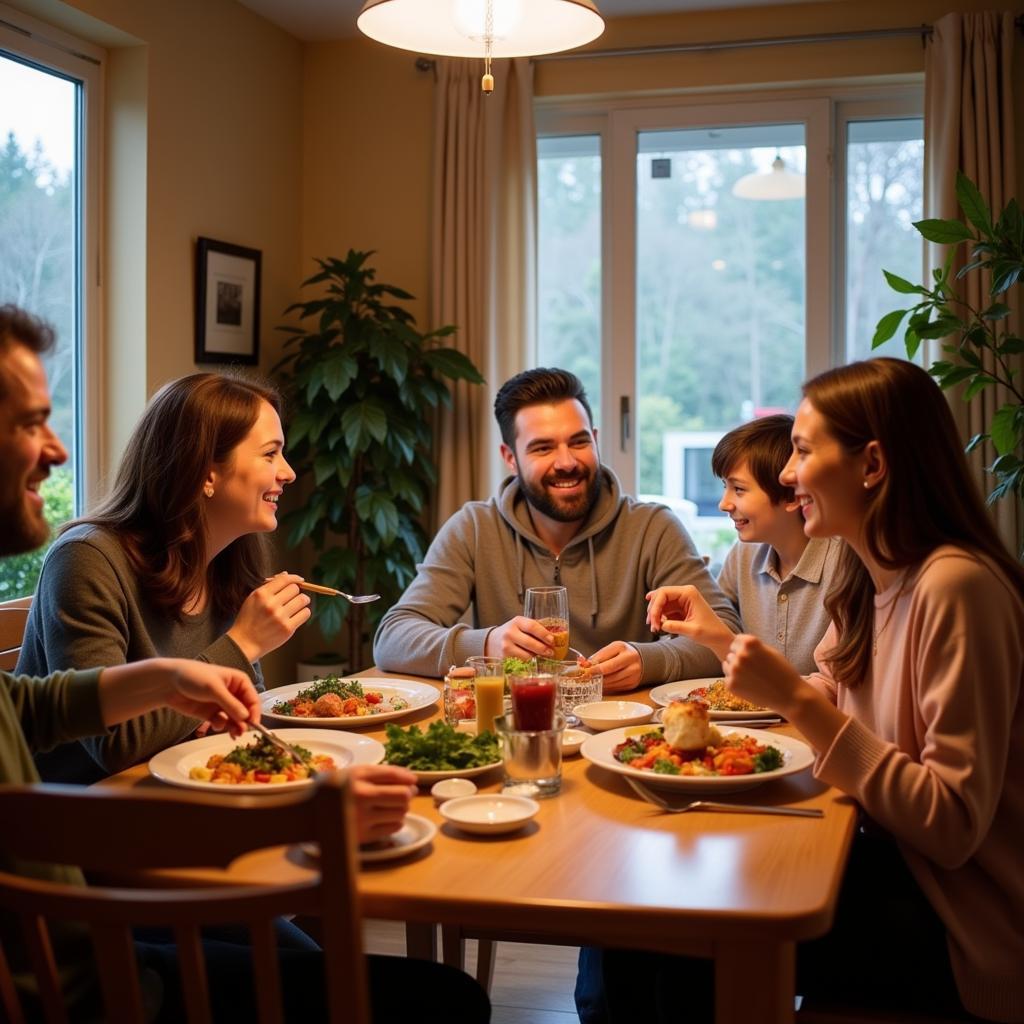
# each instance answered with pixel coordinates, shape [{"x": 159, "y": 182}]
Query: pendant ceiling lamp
[
  {"x": 778, "y": 183},
  {"x": 482, "y": 28}
]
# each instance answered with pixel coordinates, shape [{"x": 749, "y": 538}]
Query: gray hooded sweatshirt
[{"x": 488, "y": 553}]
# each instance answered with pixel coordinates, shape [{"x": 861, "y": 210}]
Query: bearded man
[{"x": 560, "y": 519}]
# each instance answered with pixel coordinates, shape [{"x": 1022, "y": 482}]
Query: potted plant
[
  {"x": 980, "y": 348},
  {"x": 364, "y": 385}
]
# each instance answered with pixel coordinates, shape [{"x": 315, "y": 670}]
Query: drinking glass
[
  {"x": 577, "y": 684},
  {"x": 532, "y": 757},
  {"x": 490, "y": 690},
  {"x": 550, "y": 607},
  {"x": 459, "y": 694},
  {"x": 533, "y": 701}
]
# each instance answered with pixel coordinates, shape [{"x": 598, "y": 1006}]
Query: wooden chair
[
  {"x": 13, "y": 616},
  {"x": 121, "y": 833}
]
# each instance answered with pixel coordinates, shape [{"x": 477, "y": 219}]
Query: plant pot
[{"x": 327, "y": 664}]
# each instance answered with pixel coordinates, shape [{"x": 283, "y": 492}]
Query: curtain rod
[{"x": 924, "y": 31}]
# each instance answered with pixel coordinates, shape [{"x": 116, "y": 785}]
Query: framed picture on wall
[{"x": 227, "y": 303}]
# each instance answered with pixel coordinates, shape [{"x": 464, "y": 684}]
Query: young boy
[{"x": 776, "y": 578}]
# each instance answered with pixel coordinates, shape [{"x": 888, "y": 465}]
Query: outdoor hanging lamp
[
  {"x": 482, "y": 28},
  {"x": 778, "y": 183}
]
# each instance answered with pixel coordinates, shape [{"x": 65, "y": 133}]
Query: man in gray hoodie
[{"x": 561, "y": 519}]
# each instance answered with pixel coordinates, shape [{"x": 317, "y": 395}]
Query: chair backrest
[
  {"x": 13, "y": 616},
  {"x": 122, "y": 833}
]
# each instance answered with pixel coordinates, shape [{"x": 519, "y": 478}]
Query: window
[
  {"x": 695, "y": 308},
  {"x": 48, "y": 112}
]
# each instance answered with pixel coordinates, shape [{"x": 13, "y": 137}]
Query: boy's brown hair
[{"x": 764, "y": 445}]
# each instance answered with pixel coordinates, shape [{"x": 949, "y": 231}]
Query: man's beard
[
  {"x": 566, "y": 511},
  {"x": 23, "y": 530}
]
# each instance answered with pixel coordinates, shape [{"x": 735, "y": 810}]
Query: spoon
[
  {"x": 316, "y": 588},
  {"x": 712, "y": 805}
]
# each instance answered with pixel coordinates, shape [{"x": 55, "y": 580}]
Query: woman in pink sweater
[{"x": 916, "y": 710}]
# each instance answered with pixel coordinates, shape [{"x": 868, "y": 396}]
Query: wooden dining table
[{"x": 598, "y": 866}]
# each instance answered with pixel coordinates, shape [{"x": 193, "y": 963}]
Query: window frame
[
  {"x": 70, "y": 57},
  {"x": 824, "y": 109}
]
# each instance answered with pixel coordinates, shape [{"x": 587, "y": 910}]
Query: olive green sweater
[{"x": 90, "y": 610}]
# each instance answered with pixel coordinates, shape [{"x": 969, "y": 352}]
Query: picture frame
[{"x": 227, "y": 328}]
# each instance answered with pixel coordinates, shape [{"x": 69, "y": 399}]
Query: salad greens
[
  {"x": 515, "y": 666},
  {"x": 263, "y": 756},
  {"x": 440, "y": 748}
]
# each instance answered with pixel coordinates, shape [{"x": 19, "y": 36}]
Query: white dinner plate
[
  {"x": 415, "y": 833},
  {"x": 418, "y": 695},
  {"x": 796, "y": 756},
  {"x": 173, "y": 764},
  {"x": 681, "y": 690},
  {"x": 428, "y": 777}
]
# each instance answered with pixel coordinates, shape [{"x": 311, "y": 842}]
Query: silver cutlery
[
  {"x": 287, "y": 748},
  {"x": 733, "y": 723},
  {"x": 317, "y": 588},
  {"x": 712, "y": 805}
]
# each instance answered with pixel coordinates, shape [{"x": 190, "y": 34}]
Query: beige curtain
[
  {"x": 484, "y": 231},
  {"x": 969, "y": 127}
]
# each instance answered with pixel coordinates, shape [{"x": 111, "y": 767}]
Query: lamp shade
[
  {"x": 457, "y": 28},
  {"x": 778, "y": 183}
]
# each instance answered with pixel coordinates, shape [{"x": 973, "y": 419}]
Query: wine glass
[{"x": 550, "y": 607}]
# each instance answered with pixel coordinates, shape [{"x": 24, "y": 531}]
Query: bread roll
[{"x": 686, "y": 725}]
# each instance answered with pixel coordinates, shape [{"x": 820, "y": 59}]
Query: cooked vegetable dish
[
  {"x": 260, "y": 762},
  {"x": 333, "y": 697},
  {"x": 731, "y": 754}
]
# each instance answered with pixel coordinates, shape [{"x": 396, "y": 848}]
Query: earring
[
  {"x": 866, "y": 485},
  {"x": 208, "y": 490}
]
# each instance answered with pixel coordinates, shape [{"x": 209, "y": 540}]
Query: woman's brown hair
[
  {"x": 926, "y": 498},
  {"x": 156, "y": 509}
]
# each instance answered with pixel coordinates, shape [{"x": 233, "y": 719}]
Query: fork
[
  {"x": 318, "y": 588},
  {"x": 278, "y": 742},
  {"x": 712, "y": 805}
]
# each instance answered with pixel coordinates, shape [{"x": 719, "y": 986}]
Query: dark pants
[
  {"x": 401, "y": 990},
  {"x": 887, "y": 948}
]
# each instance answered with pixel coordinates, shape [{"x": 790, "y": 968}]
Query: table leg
[
  {"x": 754, "y": 981},
  {"x": 420, "y": 941},
  {"x": 453, "y": 946}
]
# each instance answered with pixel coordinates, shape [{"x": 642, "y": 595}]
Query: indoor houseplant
[
  {"x": 363, "y": 385},
  {"x": 981, "y": 351}
]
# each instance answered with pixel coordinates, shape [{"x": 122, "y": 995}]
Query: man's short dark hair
[
  {"x": 18, "y": 327},
  {"x": 765, "y": 446},
  {"x": 542, "y": 386}
]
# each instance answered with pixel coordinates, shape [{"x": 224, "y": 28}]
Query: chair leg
[
  {"x": 453, "y": 946},
  {"x": 485, "y": 957}
]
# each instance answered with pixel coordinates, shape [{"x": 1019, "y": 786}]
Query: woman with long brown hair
[
  {"x": 174, "y": 561},
  {"x": 915, "y": 711}
]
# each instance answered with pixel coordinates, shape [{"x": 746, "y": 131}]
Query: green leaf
[
  {"x": 997, "y": 311},
  {"x": 453, "y": 364},
  {"x": 954, "y": 376},
  {"x": 324, "y": 466},
  {"x": 1006, "y": 435},
  {"x": 302, "y": 423},
  {"x": 887, "y": 326},
  {"x": 944, "y": 232},
  {"x": 973, "y": 204},
  {"x": 1011, "y": 346},
  {"x": 363, "y": 422},
  {"x": 912, "y": 342},
  {"x": 898, "y": 284},
  {"x": 391, "y": 356},
  {"x": 339, "y": 371},
  {"x": 329, "y": 615},
  {"x": 980, "y": 382},
  {"x": 974, "y": 442}
]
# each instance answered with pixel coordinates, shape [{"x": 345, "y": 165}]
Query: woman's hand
[
  {"x": 683, "y": 611},
  {"x": 270, "y": 615},
  {"x": 195, "y": 688},
  {"x": 381, "y": 795}
]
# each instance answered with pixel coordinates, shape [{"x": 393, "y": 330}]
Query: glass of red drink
[{"x": 533, "y": 702}]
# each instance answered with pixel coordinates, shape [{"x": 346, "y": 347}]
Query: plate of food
[
  {"x": 723, "y": 705},
  {"x": 441, "y": 752},
  {"x": 335, "y": 702},
  {"x": 252, "y": 764},
  {"x": 690, "y": 753}
]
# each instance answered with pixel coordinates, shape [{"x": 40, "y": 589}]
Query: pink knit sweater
[{"x": 933, "y": 750}]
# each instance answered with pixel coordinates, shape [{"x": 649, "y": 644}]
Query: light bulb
[{"x": 471, "y": 16}]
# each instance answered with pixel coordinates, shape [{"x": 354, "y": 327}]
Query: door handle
[{"x": 624, "y": 431}]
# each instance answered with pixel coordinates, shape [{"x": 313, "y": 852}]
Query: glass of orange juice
[
  {"x": 489, "y": 684},
  {"x": 550, "y": 607}
]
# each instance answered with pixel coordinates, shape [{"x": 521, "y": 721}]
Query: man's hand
[
  {"x": 519, "y": 638},
  {"x": 270, "y": 615},
  {"x": 195, "y": 688},
  {"x": 684, "y": 612},
  {"x": 621, "y": 665},
  {"x": 381, "y": 795}
]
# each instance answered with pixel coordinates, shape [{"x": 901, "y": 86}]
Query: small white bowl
[
  {"x": 450, "y": 789},
  {"x": 611, "y": 714},
  {"x": 572, "y": 740},
  {"x": 489, "y": 815}
]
